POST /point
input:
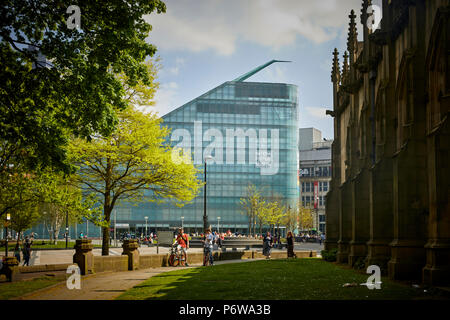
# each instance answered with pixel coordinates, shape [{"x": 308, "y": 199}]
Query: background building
[
  {"x": 264, "y": 115},
  {"x": 314, "y": 172}
]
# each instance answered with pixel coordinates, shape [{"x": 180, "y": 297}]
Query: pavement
[{"x": 105, "y": 285}]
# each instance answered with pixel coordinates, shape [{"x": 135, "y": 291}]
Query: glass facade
[{"x": 240, "y": 125}]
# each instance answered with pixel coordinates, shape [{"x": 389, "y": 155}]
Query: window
[{"x": 308, "y": 187}]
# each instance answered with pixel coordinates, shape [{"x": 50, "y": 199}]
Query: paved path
[{"x": 105, "y": 285}]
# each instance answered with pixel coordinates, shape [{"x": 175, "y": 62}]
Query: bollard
[
  {"x": 10, "y": 268},
  {"x": 130, "y": 248},
  {"x": 83, "y": 256}
]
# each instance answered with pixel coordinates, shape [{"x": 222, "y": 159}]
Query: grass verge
[
  {"x": 300, "y": 279},
  {"x": 9, "y": 290}
]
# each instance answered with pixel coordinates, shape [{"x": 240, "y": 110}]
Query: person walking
[
  {"x": 267, "y": 244},
  {"x": 207, "y": 248},
  {"x": 290, "y": 245},
  {"x": 26, "y": 251},
  {"x": 17, "y": 251},
  {"x": 183, "y": 241}
]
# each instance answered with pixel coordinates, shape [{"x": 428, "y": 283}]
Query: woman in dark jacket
[
  {"x": 267, "y": 245},
  {"x": 290, "y": 245}
]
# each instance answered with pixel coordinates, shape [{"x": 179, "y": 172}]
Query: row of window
[
  {"x": 315, "y": 171},
  {"x": 308, "y": 201},
  {"x": 309, "y": 186}
]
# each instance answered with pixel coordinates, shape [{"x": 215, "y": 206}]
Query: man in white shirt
[{"x": 208, "y": 247}]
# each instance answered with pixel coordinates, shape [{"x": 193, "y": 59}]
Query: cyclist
[
  {"x": 183, "y": 241},
  {"x": 208, "y": 247}
]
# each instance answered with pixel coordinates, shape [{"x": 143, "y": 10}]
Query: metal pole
[
  {"x": 8, "y": 218},
  {"x": 115, "y": 239},
  {"x": 67, "y": 229},
  {"x": 205, "y": 217},
  {"x": 6, "y": 243}
]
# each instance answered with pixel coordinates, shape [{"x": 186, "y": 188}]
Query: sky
[{"x": 204, "y": 43}]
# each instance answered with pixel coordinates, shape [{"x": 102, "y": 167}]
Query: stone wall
[{"x": 389, "y": 198}]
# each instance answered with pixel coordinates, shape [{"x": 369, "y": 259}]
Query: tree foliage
[
  {"x": 75, "y": 91},
  {"x": 133, "y": 164},
  {"x": 64, "y": 201}
]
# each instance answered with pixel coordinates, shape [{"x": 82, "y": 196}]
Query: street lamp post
[
  {"x": 146, "y": 219},
  {"x": 182, "y": 220},
  {"x": 218, "y": 226},
  {"x": 115, "y": 220},
  {"x": 205, "y": 216},
  {"x": 8, "y": 219},
  {"x": 67, "y": 229}
]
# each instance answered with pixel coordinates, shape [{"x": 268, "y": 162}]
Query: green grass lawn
[
  {"x": 300, "y": 279},
  {"x": 10, "y": 290}
]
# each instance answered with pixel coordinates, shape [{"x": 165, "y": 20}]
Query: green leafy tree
[
  {"x": 133, "y": 164},
  {"x": 63, "y": 201},
  {"x": 23, "y": 217},
  {"x": 19, "y": 190},
  {"x": 75, "y": 90},
  {"x": 252, "y": 206}
]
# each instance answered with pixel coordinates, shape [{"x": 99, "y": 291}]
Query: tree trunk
[
  {"x": 105, "y": 241},
  {"x": 105, "y": 231}
]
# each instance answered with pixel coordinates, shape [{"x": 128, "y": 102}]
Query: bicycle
[{"x": 177, "y": 256}]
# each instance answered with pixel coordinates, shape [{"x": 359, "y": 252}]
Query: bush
[{"x": 329, "y": 255}]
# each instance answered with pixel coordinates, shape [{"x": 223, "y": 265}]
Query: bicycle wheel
[{"x": 172, "y": 260}]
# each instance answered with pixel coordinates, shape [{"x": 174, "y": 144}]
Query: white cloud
[
  {"x": 218, "y": 24},
  {"x": 317, "y": 112},
  {"x": 166, "y": 98}
]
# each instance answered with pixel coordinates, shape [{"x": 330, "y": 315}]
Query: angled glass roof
[{"x": 256, "y": 70}]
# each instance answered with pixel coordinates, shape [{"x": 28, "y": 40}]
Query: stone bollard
[
  {"x": 83, "y": 256},
  {"x": 130, "y": 248},
  {"x": 10, "y": 268}
]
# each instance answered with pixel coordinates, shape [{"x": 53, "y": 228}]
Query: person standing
[
  {"x": 267, "y": 244},
  {"x": 183, "y": 241},
  {"x": 290, "y": 245},
  {"x": 208, "y": 247}
]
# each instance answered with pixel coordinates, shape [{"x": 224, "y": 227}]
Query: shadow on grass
[{"x": 299, "y": 279}]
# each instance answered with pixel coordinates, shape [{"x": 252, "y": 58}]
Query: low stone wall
[
  {"x": 110, "y": 263},
  {"x": 44, "y": 268},
  {"x": 153, "y": 261},
  {"x": 283, "y": 254}
]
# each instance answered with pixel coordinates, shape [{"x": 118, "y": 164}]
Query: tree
[
  {"x": 290, "y": 220},
  {"x": 64, "y": 202},
  {"x": 253, "y": 207},
  {"x": 74, "y": 90},
  {"x": 23, "y": 216},
  {"x": 306, "y": 217},
  {"x": 19, "y": 190},
  {"x": 133, "y": 164}
]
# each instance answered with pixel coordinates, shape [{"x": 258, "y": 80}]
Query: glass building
[{"x": 250, "y": 130}]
